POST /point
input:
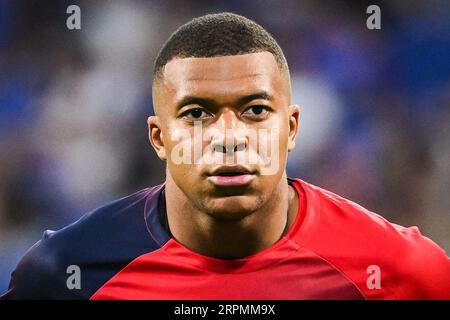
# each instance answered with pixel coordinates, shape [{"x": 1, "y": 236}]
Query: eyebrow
[{"x": 187, "y": 100}]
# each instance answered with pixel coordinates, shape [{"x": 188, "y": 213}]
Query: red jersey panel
[{"x": 335, "y": 250}]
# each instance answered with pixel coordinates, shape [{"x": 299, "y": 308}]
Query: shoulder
[
  {"x": 355, "y": 240},
  {"x": 38, "y": 275},
  {"x": 97, "y": 237}
]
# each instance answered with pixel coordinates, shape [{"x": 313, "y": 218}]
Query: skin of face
[{"x": 225, "y": 94}]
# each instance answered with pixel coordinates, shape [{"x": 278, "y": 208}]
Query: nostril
[
  {"x": 229, "y": 149},
  {"x": 239, "y": 147},
  {"x": 221, "y": 148}
]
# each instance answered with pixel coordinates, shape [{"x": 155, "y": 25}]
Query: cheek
[
  {"x": 272, "y": 145},
  {"x": 183, "y": 147},
  {"x": 177, "y": 144},
  {"x": 279, "y": 133}
]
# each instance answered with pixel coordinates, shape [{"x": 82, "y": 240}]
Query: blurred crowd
[{"x": 374, "y": 127}]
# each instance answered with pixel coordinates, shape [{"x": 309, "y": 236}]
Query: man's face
[{"x": 225, "y": 126}]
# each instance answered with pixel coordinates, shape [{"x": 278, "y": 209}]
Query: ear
[
  {"x": 294, "y": 119},
  {"x": 155, "y": 136}
]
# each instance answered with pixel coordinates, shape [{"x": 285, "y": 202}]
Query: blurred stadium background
[{"x": 73, "y": 106}]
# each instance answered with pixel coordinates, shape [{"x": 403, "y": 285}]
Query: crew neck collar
[{"x": 156, "y": 222}]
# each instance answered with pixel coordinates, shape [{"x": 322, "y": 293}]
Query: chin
[{"x": 233, "y": 207}]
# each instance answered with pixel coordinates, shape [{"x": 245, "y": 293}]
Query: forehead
[{"x": 224, "y": 77}]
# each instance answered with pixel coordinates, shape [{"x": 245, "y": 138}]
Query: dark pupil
[
  {"x": 257, "y": 110},
  {"x": 196, "y": 113}
]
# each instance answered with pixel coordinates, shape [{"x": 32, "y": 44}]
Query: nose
[
  {"x": 229, "y": 148},
  {"x": 231, "y": 136}
]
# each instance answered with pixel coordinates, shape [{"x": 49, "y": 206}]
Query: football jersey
[{"x": 335, "y": 249}]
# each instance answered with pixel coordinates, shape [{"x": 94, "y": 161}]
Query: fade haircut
[{"x": 220, "y": 34}]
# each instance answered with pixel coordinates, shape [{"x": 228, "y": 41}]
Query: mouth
[{"x": 231, "y": 176}]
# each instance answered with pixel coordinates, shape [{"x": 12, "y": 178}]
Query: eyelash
[
  {"x": 263, "y": 107},
  {"x": 265, "y": 110},
  {"x": 187, "y": 112}
]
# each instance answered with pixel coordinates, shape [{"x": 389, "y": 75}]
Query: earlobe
[{"x": 155, "y": 136}]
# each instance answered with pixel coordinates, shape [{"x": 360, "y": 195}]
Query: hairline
[{"x": 282, "y": 65}]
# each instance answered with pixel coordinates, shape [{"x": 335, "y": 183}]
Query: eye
[
  {"x": 258, "y": 111},
  {"x": 195, "y": 114}
]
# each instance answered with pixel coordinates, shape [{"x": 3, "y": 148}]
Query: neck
[{"x": 207, "y": 235}]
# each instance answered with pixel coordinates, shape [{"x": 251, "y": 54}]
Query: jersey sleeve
[
  {"x": 38, "y": 275},
  {"x": 383, "y": 259},
  {"x": 425, "y": 270}
]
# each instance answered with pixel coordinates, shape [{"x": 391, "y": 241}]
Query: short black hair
[{"x": 220, "y": 34}]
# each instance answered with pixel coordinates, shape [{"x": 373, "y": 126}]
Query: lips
[
  {"x": 229, "y": 176},
  {"x": 230, "y": 170}
]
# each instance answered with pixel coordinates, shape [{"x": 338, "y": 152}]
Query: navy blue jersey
[{"x": 101, "y": 243}]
